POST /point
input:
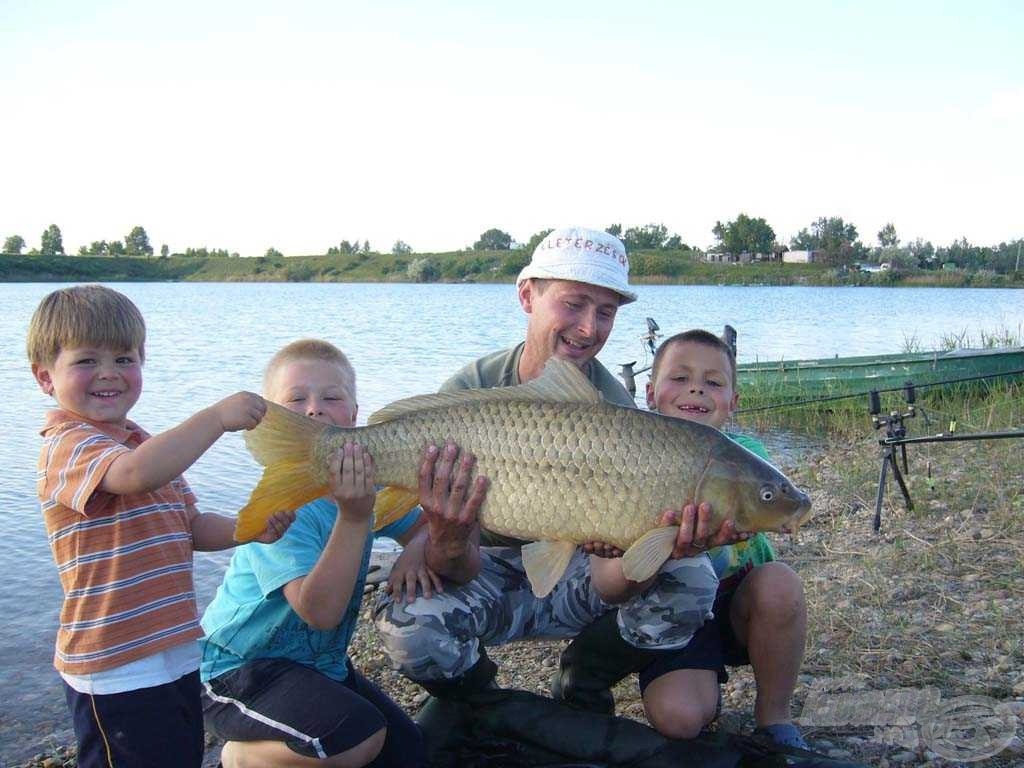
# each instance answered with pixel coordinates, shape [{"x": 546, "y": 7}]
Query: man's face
[{"x": 568, "y": 320}]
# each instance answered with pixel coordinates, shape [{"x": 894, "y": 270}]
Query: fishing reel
[
  {"x": 652, "y": 335},
  {"x": 649, "y": 340},
  {"x": 894, "y": 421}
]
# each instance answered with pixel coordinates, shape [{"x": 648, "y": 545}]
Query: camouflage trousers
[{"x": 439, "y": 638}]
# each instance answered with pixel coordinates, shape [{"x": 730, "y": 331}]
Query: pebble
[
  {"x": 839, "y": 754},
  {"x": 902, "y": 758},
  {"x": 1016, "y": 746}
]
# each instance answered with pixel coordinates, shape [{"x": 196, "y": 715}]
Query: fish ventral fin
[
  {"x": 392, "y": 503},
  {"x": 283, "y": 443},
  {"x": 545, "y": 563},
  {"x": 648, "y": 553},
  {"x": 561, "y": 382}
]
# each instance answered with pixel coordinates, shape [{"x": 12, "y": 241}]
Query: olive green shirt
[{"x": 501, "y": 369}]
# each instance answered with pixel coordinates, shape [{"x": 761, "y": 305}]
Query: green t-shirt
[{"x": 501, "y": 369}]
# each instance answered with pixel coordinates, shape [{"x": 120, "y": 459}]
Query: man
[{"x": 571, "y": 291}]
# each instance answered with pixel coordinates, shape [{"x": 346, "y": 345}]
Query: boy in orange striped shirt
[{"x": 123, "y": 524}]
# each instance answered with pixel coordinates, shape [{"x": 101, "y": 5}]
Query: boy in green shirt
[{"x": 760, "y": 612}]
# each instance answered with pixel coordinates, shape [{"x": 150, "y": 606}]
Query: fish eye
[{"x": 767, "y": 494}]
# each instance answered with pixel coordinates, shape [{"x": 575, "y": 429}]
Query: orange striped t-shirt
[{"x": 125, "y": 562}]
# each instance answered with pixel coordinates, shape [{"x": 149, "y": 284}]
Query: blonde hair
[
  {"x": 697, "y": 336},
  {"x": 311, "y": 349},
  {"x": 84, "y": 316}
]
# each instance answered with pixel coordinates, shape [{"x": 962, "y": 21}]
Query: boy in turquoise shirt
[
  {"x": 760, "y": 612},
  {"x": 278, "y": 683}
]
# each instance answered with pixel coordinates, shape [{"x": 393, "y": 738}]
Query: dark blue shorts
[
  {"x": 158, "y": 727},
  {"x": 713, "y": 647},
  {"x": 316, "y": 716}
]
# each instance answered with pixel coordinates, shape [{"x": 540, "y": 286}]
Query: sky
[{"x": 250, "y": 125}]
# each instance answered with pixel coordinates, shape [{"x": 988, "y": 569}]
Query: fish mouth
[{"x": 799, "y": 517}]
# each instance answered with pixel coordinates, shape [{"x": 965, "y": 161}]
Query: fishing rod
[{"x": 926, "y": 385}]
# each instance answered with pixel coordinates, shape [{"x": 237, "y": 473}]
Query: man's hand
[
  {"x": 444, "y": 481},
  {"x": 695, "y": 535},
  {"x": 242, "y": 410},
  {"x": 351, "y": 477}
]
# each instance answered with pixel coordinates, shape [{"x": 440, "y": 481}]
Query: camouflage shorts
[{"x": 439, "y": 638}]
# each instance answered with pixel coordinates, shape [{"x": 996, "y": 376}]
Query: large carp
[{"x": 564, "y": 466}]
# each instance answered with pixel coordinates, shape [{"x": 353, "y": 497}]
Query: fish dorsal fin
[
  {"x": 561, "y": 382},
  {"x": 545, "y": 563}
]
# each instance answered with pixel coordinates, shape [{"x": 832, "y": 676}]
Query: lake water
[{"x": 208, "y": 340}]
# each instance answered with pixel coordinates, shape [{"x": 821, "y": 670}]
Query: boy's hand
[
  {"x": 450, "y": 515},
  {"x": 242, "y": 410},
  {"x": 694, "y": 535},
  {"x": 277, "y": 524},
  {"x": 600, "y": 549},
  {"x": 410, "y": 570},
  {"x": 351, "y": 476}
]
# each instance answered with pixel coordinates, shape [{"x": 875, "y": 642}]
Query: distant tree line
[{"x": 653, "y": 250}]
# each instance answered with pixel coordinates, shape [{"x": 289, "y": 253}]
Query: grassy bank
[{"x": 661, "y": 267}]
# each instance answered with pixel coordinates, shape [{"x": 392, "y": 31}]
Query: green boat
[{"x": 784, "y": 380}]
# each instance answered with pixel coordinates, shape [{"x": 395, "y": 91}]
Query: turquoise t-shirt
[
  {"x": 250, "y": 618},
  {"x": 756, "y": 550}
]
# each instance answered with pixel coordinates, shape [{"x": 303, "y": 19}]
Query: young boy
[
  {"x": 278, "y": 684},
  {"x": 760, "y": 614},
  {"x": 123, "y": 524}
]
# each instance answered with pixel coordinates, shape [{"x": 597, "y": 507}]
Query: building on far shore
[{"x": 801, "y": 257}]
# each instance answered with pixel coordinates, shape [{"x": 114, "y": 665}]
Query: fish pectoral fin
[
  {"x": 648, "y": 553},
  {"x": 284, "y": 486},
  {"x": 391, "y": 504},
  {"x": 545, "y": 563}
]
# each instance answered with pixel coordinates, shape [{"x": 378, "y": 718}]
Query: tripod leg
[
  {"x": 899, "y": 479},
  {"x": 886, "y": 456},
  {"x": 906, "y": 468}
]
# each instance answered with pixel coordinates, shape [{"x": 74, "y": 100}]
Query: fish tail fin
[
  {"x": 392, "y": 503},
  {"x": 283, "y": 443}
]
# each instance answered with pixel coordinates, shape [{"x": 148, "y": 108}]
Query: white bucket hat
[{"x": 583, "y": 255}]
